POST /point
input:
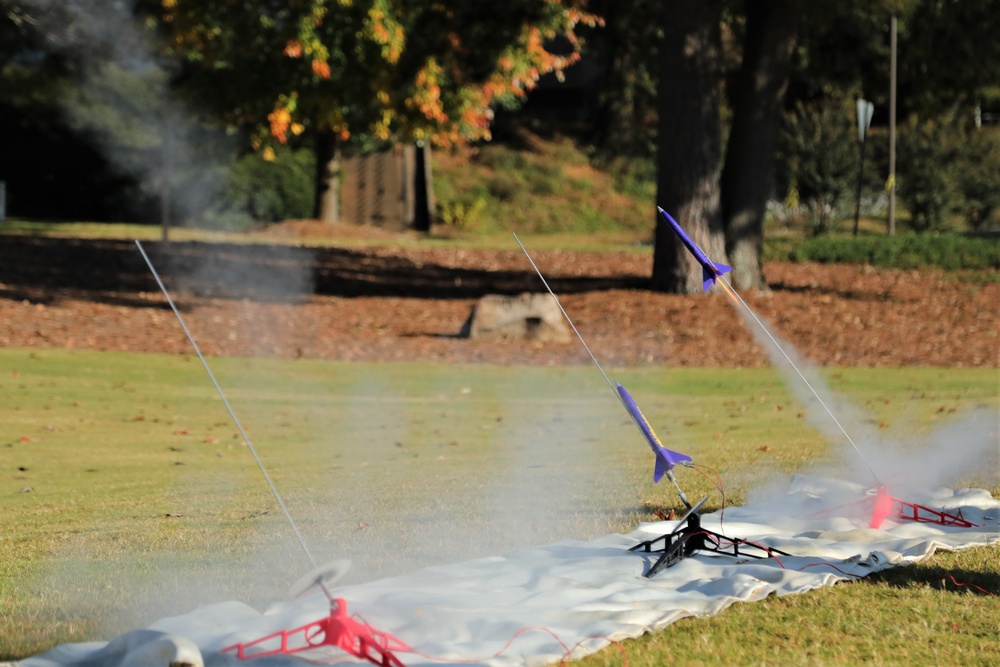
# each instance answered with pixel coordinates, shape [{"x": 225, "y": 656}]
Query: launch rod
[
  {"x": 225, "y": 401},
  {"x": 732, "y": 292},
  {"x": 669, "y": 473},
  {"x": 568, "y": 319}
]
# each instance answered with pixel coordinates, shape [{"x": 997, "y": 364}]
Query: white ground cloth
[{"x": 586, "y": 593}]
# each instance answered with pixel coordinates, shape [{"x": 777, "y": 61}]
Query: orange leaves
[
  {"x": 169, "y": 7},
  {"x": 309, "y": 41},
  {"x": 345, "y": 58},
  {"x": 385, "y": 30},
  {"x": 321, "y": 68},
  {"x": 586, "y": 18},
  {"x": 280, "y": 118},
  {"x": 427, "y": 97},
  {"x": 295, "y": 49},
  {"x": 378, "y": 29}
]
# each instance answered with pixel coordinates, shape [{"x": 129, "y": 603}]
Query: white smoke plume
[
  {"x": 968, "y": 445},
  {"x": 120, "y": 97}
]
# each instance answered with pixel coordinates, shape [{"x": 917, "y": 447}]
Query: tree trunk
[
  {"x": 689, "y": 143},
  {"x": 327, "y": 206},
  {"x": 748, "y": 174}
]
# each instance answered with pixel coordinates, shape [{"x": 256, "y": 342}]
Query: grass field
[{"x": 128, "y": 495}]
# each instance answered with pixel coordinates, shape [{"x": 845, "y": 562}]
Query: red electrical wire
[
  {"x": 978, "y": 588},
  {"x": 767, "y": 550},
  {"x": 717, "y": 482}
]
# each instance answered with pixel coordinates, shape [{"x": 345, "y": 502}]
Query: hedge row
[{"x": 905, "y": 251}]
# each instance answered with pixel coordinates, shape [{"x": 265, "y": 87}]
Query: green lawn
[{"x": 127, "y": 495}]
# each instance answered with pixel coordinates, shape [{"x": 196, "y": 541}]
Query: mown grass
[{"x": 127, "y": 495}]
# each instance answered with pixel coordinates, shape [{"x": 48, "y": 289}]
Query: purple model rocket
[
  {"x": 710, "y": 270},
  {"x": 666, "y": 459}
]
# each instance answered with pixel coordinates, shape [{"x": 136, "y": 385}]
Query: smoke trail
[
  {"x": 120, "y": 98},
  {"x": 966, "y": 447},
  {"x": 820, "y": 402},
  {"x": 951, "y": 452}
]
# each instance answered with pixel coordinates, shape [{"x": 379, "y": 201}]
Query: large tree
[
  {"x": 764, "y": 35},
  {"x": 719, "y": 198},
  {"x": 689, "y": 150},
  {"x": 375, "y": 70},
  {"x": 759, "y": 91}
]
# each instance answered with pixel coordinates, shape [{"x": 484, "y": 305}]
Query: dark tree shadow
[
  {"x": 41, "y": 270},
  {"x": 850, "y": 294},
  {"x": 973, "y": 582}
]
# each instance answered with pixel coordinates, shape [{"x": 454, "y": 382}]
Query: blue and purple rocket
[
  {"x": 710, "y": 270},
  {"x": 666, "y": 459}
]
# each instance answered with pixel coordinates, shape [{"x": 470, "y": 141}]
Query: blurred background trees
[{"x": 730, "y": 113}]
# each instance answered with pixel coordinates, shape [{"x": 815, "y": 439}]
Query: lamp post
[{"x": 865, "y": 111}]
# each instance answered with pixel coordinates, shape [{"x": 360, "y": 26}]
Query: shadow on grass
[{"x": 939, "y": 577}]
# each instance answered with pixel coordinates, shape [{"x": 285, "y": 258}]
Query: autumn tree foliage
[{"x": 430, "y": 70}]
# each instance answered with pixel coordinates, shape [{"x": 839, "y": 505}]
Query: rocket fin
[
  {"x": 661, "y": 468},
  {"x": 709, "y": 277}
]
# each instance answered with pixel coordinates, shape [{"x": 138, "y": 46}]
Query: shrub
[
  {"x": 463, "y": 214},
  {"x": 977, "y": 177},
  {"x": 819, "y": 159},
  {"x": 501, "y": 158},
  {"x": 261, "y": 191},
  {"x": 505, "y": 186},
  {"x": 904, "y": 251},
  {"x": 633, "y": 177},
  {"x": 927, "y": 151}
]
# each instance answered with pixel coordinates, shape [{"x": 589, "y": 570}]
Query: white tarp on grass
[{"x": 586, "y": 593}]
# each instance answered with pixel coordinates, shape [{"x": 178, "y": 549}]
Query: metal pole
[
  {"x": 3, "y": 200},
  {"x": 892, "y": 130},
  {"x": 225, "y": 401}
]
